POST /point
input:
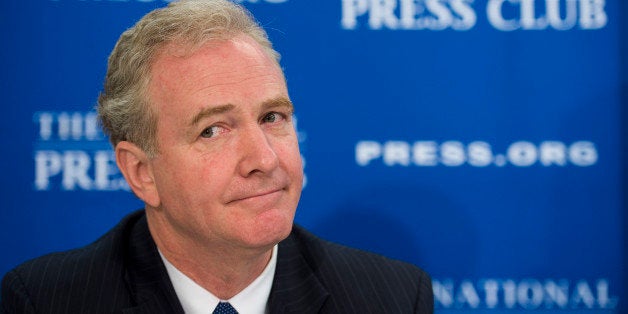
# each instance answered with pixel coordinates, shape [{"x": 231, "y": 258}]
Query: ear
[{"x": 138, "y": 172}]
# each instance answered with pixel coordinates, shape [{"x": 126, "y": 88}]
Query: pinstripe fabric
[
  {"x": 119, "y": 273},
  {"x": 123, "y": 273},
  {"x": 316, "y": 276}
]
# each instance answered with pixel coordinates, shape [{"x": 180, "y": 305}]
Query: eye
[
  {"x": 211, "y": 131},
  {"x": 273, "y": 117}
]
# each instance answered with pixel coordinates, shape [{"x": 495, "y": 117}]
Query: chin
[{"x": 269, "y": 230}]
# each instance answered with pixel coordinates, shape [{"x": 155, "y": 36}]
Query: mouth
[{"x": 259, "y": 196}]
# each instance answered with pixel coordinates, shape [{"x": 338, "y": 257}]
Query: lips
[{"x": 258, "y": 196}]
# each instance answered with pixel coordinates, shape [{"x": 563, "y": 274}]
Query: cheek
[
  {"x": 182, "y": 178},
  {"x": 293, "y": 164},
  {"x": 288, "y": 152}
]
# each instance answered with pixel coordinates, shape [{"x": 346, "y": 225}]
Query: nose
[{"x": 257, "y": 154}]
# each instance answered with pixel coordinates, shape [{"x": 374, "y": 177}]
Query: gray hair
[{"x": 123, "y": 105}]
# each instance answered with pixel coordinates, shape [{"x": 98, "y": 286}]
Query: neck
[{"x": 222, "y": 270}]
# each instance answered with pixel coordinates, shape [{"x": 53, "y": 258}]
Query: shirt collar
[{"x": 195, "y": 299}]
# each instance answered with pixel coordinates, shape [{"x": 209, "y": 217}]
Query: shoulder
[
  {"x": 365, "y": 277},
  {"x": 326, "y": 254},
  {"x": 70, "y": 276}
]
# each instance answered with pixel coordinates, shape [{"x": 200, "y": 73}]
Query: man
[{"x": 198, "y": 111}]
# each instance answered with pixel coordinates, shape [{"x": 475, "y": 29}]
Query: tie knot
[{"x": 224, "y": 308}]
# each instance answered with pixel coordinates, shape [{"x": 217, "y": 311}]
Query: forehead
[
  {"x": 238, "y": 67},
  {"x": 214, "y": 48}
]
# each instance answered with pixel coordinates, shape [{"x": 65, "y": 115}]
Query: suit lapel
[
  {"x": 296, "y": 289},
  {"x": 147, "y": 277}
]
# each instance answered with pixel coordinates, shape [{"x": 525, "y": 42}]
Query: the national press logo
[{"x": 71, "y": 153}]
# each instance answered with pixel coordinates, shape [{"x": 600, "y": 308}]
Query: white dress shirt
[{"x": 196, "y": 300}]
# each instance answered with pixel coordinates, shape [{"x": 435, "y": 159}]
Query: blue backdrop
[{"x": 481, "y": 140}]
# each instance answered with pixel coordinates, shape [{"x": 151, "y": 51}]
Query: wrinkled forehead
[
  {"x": 235, "y": 71},
  {"x": 214, "y": 58},
  {"x": 183, "y": 65},
  {"x": 185, "y": 47}
]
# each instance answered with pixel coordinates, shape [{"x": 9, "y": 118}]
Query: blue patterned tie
[{"x": 224, "y": 308}]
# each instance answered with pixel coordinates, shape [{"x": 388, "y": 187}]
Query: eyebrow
[
  {"x": 271, "y": 103},
  {"x": 278, "y": 102},
  {"x": 208, "y": 112}
]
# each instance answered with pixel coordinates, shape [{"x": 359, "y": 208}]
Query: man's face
[{"x": 228, "y": 171}]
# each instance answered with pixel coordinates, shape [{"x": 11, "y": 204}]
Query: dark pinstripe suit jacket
[{"x": 123, "y": 273}]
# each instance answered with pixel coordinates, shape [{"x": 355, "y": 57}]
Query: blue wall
[{"x": 481, "y": 140}]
